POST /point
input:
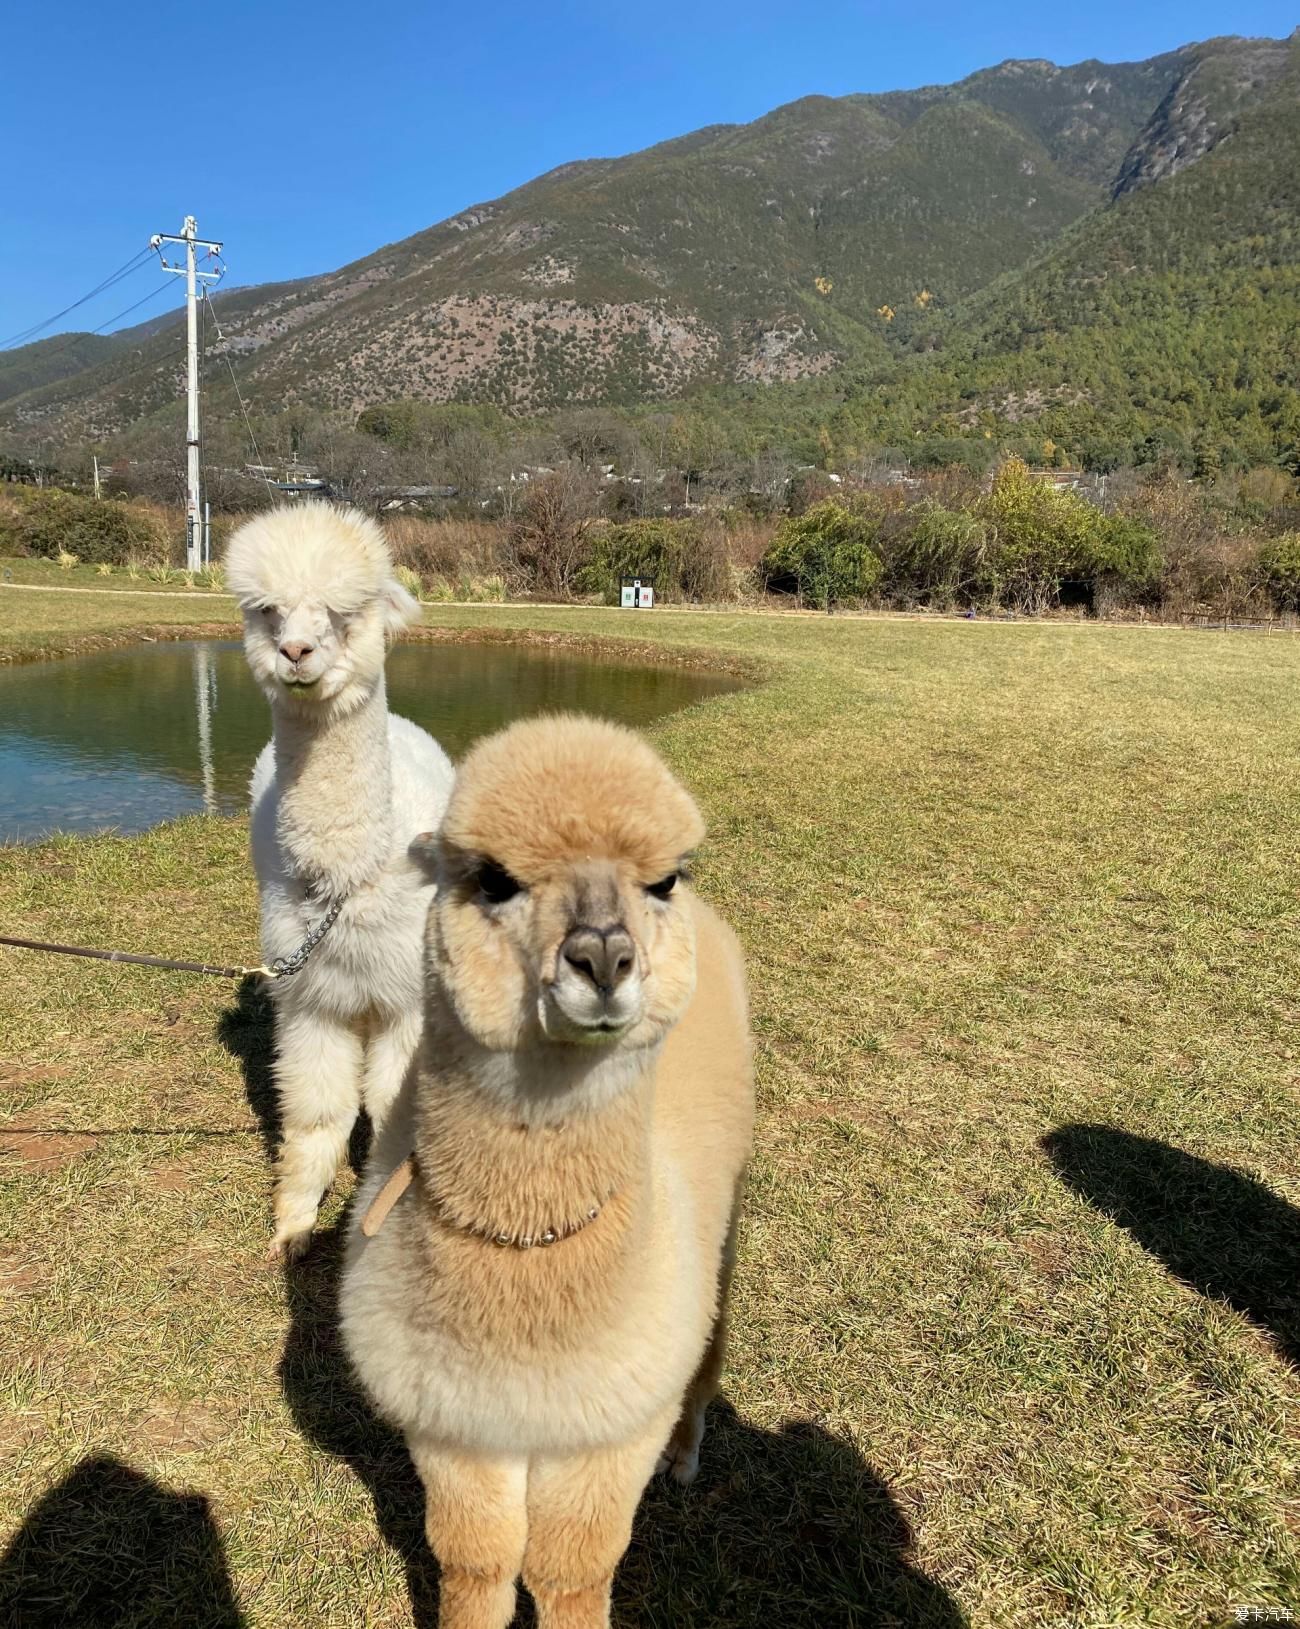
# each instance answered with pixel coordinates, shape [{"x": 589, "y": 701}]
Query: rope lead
[{"x": 284, "y": 967}]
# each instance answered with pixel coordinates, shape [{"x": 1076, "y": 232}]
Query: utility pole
[{"x": 189, "y": 236}]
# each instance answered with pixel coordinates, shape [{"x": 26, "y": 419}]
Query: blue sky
[{"x": 316, "y": 134}]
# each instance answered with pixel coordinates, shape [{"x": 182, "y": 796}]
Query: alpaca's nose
[
  {"x": 603, "y": 955},
  {"x": 294, "y": 650}
]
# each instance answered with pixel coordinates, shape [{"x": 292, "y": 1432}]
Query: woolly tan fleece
[{"x": 537, "y": 1388}]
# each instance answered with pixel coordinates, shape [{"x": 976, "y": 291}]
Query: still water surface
[{"x": 127, "y": 738}]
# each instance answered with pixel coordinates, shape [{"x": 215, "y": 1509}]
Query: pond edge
[{"x": 632, "y": 652}]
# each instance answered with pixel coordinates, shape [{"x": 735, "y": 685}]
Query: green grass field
[{"x": 1017, "y": 1322}]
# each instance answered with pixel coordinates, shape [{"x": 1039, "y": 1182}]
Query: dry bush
[
  {"x": 748, "y": 538},
  {"x": 547, "y": 541},
  {"x": 1266, "y": 488},
  {"x": 1209, "y": 569},
  {"x": 953, "y": 487},
  {"x": 445, "y": 549},
  {"x": 1231, "y": 582}
]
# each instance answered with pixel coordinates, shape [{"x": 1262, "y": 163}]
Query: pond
[{"x": 131, "y": 737}]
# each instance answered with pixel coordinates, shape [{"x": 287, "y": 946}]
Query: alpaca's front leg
[
  {"x": 391, "y": 1046},
  {"x": 580, "y": 1511},
  {"x": 475, "y": 1518},
  {"x": 318, "y": 1084}
]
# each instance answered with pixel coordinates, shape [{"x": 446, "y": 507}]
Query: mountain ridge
[{"x": 830, "y": 236}]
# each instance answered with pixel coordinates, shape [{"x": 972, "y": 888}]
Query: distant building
[{"x": 403, "y": 497}]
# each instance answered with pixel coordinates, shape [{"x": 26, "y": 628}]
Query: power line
[
  {"x": 212, "y": 311},
  {"x": 72, "y": 339},
  {"x": 28, "y": 334},
  {"x": 152, "y": 296}
]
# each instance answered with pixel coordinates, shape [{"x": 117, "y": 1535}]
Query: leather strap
[{"x": 388, "y": 1196}]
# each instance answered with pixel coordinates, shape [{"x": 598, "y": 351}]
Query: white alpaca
[{"x": 339, "y": 794}]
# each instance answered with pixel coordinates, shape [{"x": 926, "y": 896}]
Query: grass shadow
[
  {"x": 247, "y": 1031},
  {"x": 1215, "y": 1228},
  {"x": 109, "y": 1546},
  {"x": 788, "y": 1527},
  {"x": 331, "y": 1409}
]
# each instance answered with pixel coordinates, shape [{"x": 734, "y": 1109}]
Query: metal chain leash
[{"x": 284, "y": 967}]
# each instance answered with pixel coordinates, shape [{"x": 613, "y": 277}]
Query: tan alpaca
[{"x": 542, "y": 1311}]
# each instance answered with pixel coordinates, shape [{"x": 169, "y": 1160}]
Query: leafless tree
[{"x": 547, "y": 535}]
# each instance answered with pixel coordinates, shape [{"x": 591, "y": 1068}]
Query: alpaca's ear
[{"x": 400, "y": 608}]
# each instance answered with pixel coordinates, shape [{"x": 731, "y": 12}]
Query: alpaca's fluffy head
[
  {"x": 316, "y": 588},
  {"x": 562, "y": 915}
]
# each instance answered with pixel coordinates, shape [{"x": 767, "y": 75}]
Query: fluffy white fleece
[{"x": 338, "y": 795}]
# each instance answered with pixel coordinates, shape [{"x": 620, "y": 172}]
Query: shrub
[
  {"x": 825, "y": 555},
  {"x": 809, "y": 488},
  {"x": 684, "y": 559},
  {"x": 547, "y": 538},
  {"x": 1040, "y": 537},
  {"x": 942, "y": 558},
  {"x": 489, "y": 589},
  {"x": 46, "y": 521},
  {"x": 1280, "y": 562},
  {"x": 410, "y": 581},
  {"x": 1125, "y": 560}
]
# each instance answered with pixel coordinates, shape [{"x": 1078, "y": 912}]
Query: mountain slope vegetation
[
  {"x": 1098, "y": 250},
  {"x": 1170, "y": 315}
]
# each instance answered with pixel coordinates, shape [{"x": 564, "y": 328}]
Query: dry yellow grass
[{"x": 997, "y": 885}]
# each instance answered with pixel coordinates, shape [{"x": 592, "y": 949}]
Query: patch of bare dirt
[
  {"x": 17, "y": 1275},
  {"x": 180, "y": 1428},
  {"x": 41, "y": 1139},
  {"x": 17, "y": 1078},
  {"x": 170, "y": 1177}
]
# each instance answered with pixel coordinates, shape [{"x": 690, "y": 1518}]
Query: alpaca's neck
[
  {"x": 335, "y": 792},
  {"x": 543, "y": 1161}
]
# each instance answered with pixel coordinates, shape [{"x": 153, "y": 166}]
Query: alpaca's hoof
[
  {"x": 680, "y": 1463},
  {"x": 289, "y": 1247}
]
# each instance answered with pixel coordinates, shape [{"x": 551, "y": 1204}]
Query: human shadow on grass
[
  {"x": 108, "y": 1547},
  {"x": 332, "y": 1411},
  {"x": 1217, "y": 1229},
  {"x": 787, "y": 1527}
]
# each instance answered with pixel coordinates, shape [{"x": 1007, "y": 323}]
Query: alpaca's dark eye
[
  {"x": 495, "y": 883},
  {"x": 664, "y": 887}
]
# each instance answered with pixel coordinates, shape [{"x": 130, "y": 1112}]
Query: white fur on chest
[{"x": 371, "y": 958}]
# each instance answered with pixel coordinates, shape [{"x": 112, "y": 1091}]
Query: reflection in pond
[{"x": 130, "y": 737}]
